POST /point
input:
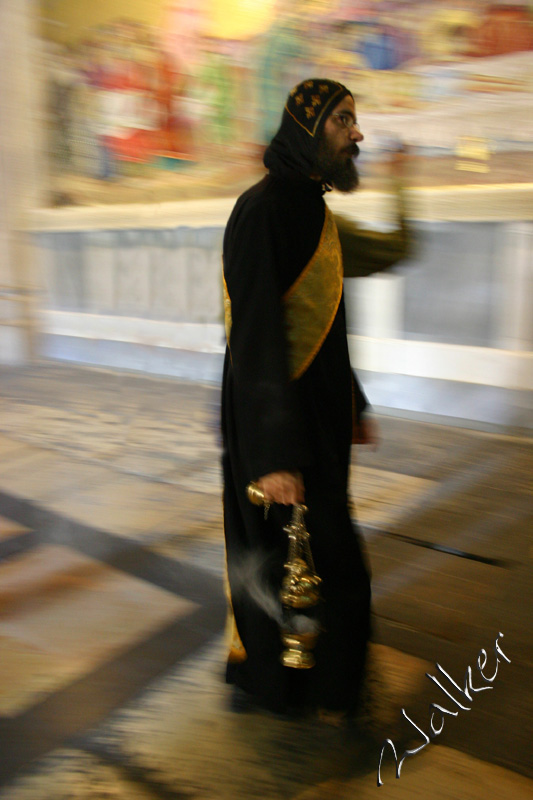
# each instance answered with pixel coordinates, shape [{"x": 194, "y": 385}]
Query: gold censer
[{"x": 300, "y": 589}]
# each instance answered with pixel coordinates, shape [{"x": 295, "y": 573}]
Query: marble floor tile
[
  {"x": 381, "y": 497},
  {"x": 169, "y": 432},
  {"x": 182, "y": 732},
  {"x": 13, "y": 416},
  {"x": 201, "y": 545},
  {"x": 63, "y": 614},
  {"x": 205, "y": 478},
  {"x": 96, "y": 433},
  {"x": 9, "y": 447},
  {"x": 28, "y": 674},
  {"x": 73, "y": 775},
  {"x": 471, "y": 591},
  {"x": 87, "y": 445},
  {"x": 437, "y": 772},
  {"x": 45, "y": 474},
  {"x": 193, "y": 738},
  {"x": 179, "y": 740},
  {"x": 392, "y": 679},
  {"x": 130, "y": 506},
  {"x": 10, "y": 528},
  {"x": 19, "y": 455},
  {"x": 148, "y": 464}
]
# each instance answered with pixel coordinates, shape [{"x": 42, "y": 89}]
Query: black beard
[{"x": 337, "y": 169}]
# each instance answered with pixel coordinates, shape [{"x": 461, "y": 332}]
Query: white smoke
[{"x": 249, "y": 576}]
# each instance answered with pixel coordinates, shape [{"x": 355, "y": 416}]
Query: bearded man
[{"x": 291, "y": 406}]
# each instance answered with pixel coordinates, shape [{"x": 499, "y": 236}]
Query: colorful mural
[{"x": 183, "y": 96}]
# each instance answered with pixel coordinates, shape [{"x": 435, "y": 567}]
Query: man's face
[{"x": 338, "y": 148}]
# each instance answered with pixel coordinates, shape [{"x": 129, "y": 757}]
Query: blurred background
[
  {"x": 127, "y": 131},
  {"x": 148, "y": 89},
  {"x": 129, "y": 128}
]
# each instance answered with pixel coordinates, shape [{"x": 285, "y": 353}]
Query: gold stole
[
  {"x": 310, "y": 306},
  {"x": 311, "y": 303}
]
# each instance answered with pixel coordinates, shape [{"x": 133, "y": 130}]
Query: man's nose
[{"x": 356, "y": 135}]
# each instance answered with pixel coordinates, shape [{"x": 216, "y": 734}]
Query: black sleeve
[
  {"x": 365, "y": 252},
  {"x": 265, "y": 403}
]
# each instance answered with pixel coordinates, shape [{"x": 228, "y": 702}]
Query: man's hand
[
  {"x": 366, "y": 432},
  {"x": 286, "y": 488}
]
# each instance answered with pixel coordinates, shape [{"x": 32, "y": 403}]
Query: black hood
[{"x": 308, "y": 105}]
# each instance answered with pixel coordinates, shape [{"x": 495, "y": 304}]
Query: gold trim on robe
[
  {"x": 311, "y": 303},
  {"x": 227, "y": 307},
  {"x": 236, "y": 651}
]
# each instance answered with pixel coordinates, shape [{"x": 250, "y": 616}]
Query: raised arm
[{"x": 365, "y": 252}]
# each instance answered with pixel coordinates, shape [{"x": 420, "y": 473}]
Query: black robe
[{"x": 270, "y": 423}]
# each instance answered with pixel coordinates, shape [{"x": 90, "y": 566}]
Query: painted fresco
[{"x": 181, "y": 100}]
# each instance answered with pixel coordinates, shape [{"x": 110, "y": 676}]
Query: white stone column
[
  {"x": 514, "y": 323},
  {"x": 380, "y": 306},
  {"x": 21, "y": 174}
]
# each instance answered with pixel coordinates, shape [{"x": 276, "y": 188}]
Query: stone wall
[{"x": 459, "y": 313}]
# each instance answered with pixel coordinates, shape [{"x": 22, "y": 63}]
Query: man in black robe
[{"x": 291, "y": 406}]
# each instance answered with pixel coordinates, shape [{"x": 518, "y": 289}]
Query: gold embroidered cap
[
  {"x": 310, "y": 102},
  {"x": 294, "y": 147}
]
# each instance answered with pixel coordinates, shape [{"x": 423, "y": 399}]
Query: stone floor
[{"x": 112, "y": 608}]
